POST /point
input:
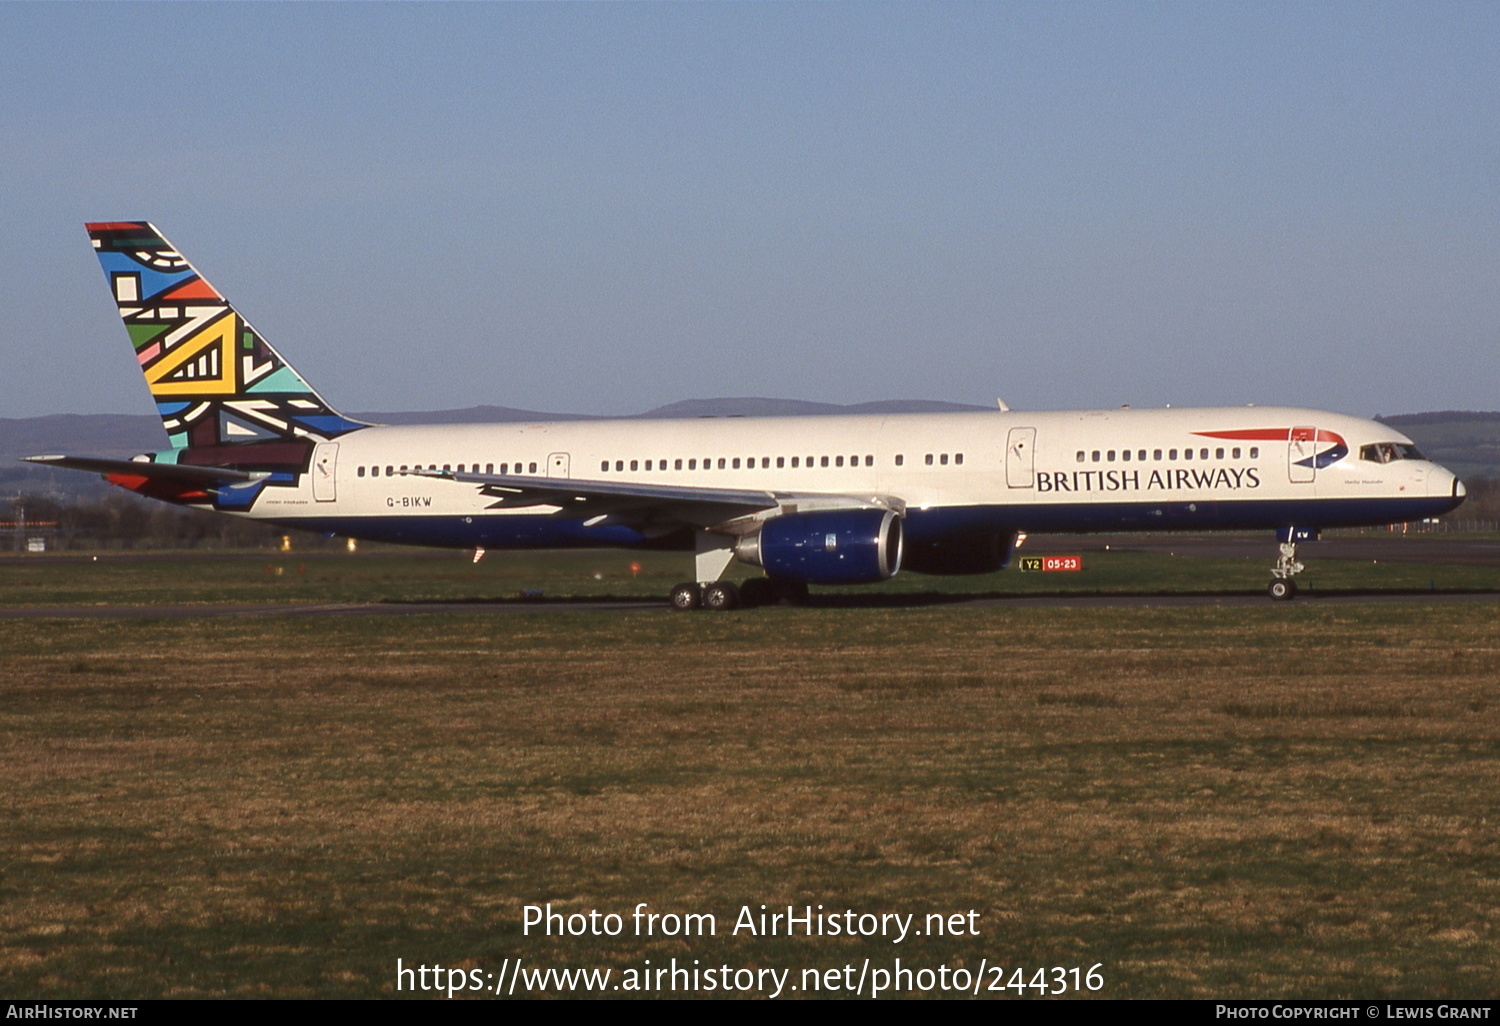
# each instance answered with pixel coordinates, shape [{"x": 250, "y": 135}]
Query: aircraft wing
[
  {"x": 640, "y": 502},
  {"x": 200, "y": 477}
]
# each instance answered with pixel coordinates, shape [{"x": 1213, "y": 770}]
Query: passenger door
[
  {"x": 325, "y": 471},
  {"x": 1020, "y": 458},
  {"x": 1302, "y": 452}
]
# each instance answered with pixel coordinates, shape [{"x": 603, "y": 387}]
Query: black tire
[
  {"x": 1282, "y": 589},
  {"x": 756, "y": 592},
  {"x": 789, "y": 593},
  {"x": 686, "y": 597},
  {"x": 721, "y": 596}
]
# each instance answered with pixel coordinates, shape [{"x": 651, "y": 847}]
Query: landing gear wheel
[
  {"x": 720, "y": 596},
  {"x": 1282, "y": 589},
  {"x": 757, "y": 591},
  {"x": 686, "y": 598},
  {"x": 788, "y": 593}
]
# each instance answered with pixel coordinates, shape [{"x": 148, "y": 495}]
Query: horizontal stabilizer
[{"x": 179, "y": 473}]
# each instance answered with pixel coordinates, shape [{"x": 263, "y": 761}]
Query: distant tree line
[
  {"x": 122, "y": 521},
  {"x": 1483, "y": 502}
]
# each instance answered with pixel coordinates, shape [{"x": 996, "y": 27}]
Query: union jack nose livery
[{"x": 790, "y": 501}]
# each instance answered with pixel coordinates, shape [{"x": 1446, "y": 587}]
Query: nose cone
[{"x": 1443, "y": 482}]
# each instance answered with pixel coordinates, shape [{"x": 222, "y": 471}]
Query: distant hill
[
  {"x": 1466, "y": 442},
  {"x": 125, "y": 435},
  {"x": 685, "y": 409}
]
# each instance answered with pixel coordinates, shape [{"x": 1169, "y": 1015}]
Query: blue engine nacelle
[{"x": 845, "y": 546}]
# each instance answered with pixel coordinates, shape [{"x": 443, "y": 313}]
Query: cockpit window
[{"x": 1389, "y": 452}]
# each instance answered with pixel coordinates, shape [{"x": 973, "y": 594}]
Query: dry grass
[{"x": 1211, "y": 802}]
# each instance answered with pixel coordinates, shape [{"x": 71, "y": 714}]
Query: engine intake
[{"x": 847, "y": 546}]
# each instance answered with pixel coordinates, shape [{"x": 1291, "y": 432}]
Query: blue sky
[{"x": 603, "y": 208}]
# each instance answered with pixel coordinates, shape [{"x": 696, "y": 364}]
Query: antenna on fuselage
[{"x": 1003, "y": 408}]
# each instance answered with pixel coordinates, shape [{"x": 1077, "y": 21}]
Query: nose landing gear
[{"x": 1282, "y": 587}]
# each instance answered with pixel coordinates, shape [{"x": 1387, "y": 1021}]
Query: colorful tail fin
[{"x": 216, "y": 382}]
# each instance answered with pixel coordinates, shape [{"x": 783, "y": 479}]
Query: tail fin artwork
[
  {"x": 238, "y": 417},
  {"x": 216, "y": 382}
]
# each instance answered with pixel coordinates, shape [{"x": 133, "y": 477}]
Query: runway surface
[
  {"x": 907, "y": 601},
  {"x": 1397, "y": 548}
]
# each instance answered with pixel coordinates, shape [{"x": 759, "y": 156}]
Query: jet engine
[{"x": 846, "y": 546}]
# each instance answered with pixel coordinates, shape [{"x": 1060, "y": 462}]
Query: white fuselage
[{"x": 1125, "y": 469}]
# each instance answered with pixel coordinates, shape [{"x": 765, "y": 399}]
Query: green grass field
[{"x": 1279, "y": 800}]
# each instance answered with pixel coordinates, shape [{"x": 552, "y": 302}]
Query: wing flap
[{"x": 642, "y": 502}]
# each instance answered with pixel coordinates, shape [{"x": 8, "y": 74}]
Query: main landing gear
[
  {"x": 715, "y": 595},
  {"x": 1282, "y": 587},
  {"x": 723, "y": 595},
  {"x": 713, "y": 554}
]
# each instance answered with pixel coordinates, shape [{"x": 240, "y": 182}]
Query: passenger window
[
  {"x": 929, "y": 459},
  {"x": 360, "y": 472},
  {"x": 1218, "y": 454},
  {"x": 721, "y": 463},
  {"x": 838, "y": 461},
  {"x": 1141, "y": 455},
  {"x": 824, "y": 461},
  {"x": 677, "y": 464},
  {"x": 1255, "y": 452},
  {"x": 635, "y": 464},
  {"x": 869, "y": 461},
  {"x": 1187, "y": 454},
  {"x": 1125, "y": 455},
  {"x": 943, "y": 459},
  {"x": 736, "y": 463},
  {"x": 794, "y": 462},
  {"x": 1080, "y": 456},
  {"x": 489, "y": 468},
  {"x": 900, "y": 459},
  {"x": 1156, "y": 454},
  {"x": 1095, "y": 456},
  {"x": 531, "y": 468},
  {"x": 959, "y": 459},
  {"x": 692, "y": 464},
  {"x": 1110, "y": 456},
  {"x": 780, "y": 462},
  {"x": 1203, "y": 454}
]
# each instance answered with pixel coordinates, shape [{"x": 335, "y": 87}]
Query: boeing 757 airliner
[{"x": 807, "y": 500}]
